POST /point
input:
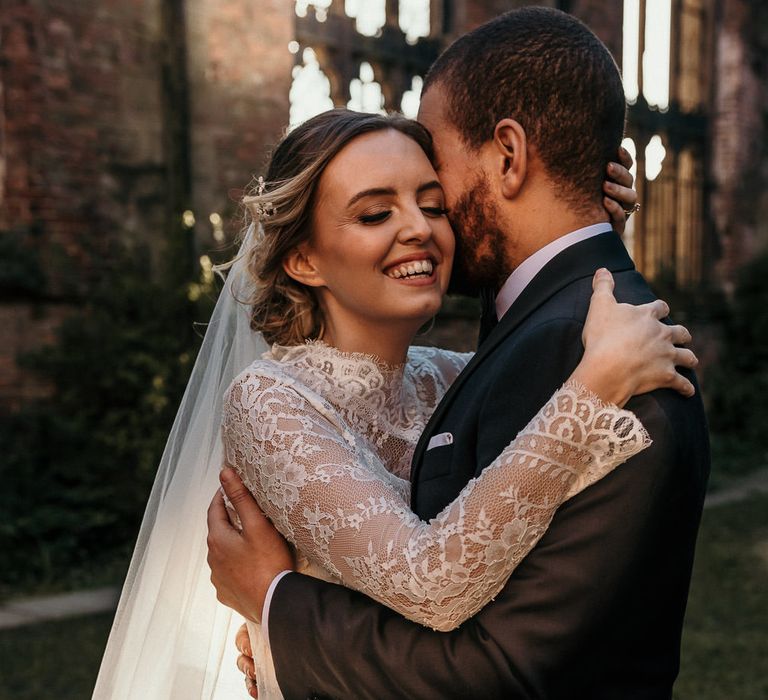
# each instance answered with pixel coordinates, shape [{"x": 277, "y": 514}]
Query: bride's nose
[{"x": 416, "y": 227}]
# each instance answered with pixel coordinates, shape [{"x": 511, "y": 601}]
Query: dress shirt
[
  {"x": 513, "y": 287},
  {"x": 530, "y": 267}
]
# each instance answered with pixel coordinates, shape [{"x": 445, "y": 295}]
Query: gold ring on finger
[{"x": 634, "y": 208}]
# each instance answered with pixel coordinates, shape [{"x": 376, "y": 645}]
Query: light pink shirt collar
[{"x": 530, "y": 267}]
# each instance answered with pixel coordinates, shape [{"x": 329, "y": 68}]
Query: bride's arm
[{"x": 315, "y": 487}]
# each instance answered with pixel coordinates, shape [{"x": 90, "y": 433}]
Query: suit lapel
[{"x": 576, "y": 262}]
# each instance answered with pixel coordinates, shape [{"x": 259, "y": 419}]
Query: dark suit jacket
[{"x": 595, "y": 611}]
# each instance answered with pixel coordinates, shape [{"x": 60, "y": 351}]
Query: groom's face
[{"x": 480, "y": 259}]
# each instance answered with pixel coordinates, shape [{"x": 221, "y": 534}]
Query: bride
[{"x": 349, "y": 254}]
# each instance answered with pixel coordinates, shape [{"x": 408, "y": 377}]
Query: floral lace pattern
[{"x": 323, "y": 440}]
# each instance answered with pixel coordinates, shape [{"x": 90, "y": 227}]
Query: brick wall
[
  {"x": 739, "y": 168},
  {"x": 25, "y": 327},
  {"x": 96, "y": 141},
  {"x": 82, "y": 131},
  {"x": 239, "y": 80}
]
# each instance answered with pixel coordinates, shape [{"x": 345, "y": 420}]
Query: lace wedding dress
[{"x": 324, "y": 439}]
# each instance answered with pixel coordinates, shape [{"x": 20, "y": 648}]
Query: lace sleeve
[{"x": 321, "y": 489}]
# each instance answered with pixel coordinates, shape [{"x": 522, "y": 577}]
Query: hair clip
[{"x": 263, "y": 210}]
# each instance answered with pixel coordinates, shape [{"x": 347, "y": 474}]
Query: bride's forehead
[
  {"x": 387, "y": 153},
  {"x": 380, "y": 148}
]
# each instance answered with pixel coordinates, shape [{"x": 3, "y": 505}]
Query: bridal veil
[{"x": 171, "y": 638}]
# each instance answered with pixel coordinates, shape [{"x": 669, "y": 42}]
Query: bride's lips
[{"x": 418, "y": 281}]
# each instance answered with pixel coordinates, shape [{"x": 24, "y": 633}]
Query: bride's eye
[
  {"x": 375, "y": 218},
  {"x": 434, "y": 211}
]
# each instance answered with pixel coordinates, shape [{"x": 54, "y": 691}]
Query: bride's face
[{"x": 381, "y": 247}]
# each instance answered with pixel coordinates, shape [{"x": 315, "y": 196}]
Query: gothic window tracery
[
  {"x": 310, "y": 91},
  {"x": 365, "y": 92},
  {"x": 664, "y": 68},
  {"x": 373, "y": 53}
]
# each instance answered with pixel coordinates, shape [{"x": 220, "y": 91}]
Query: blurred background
[{"x": 128, "y": 131}]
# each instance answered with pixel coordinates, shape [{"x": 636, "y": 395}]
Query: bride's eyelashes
[
  {"x": 381, "y": 216},
  {"x": 435, "y": 211},
  {"x": 376, "y": 218}
]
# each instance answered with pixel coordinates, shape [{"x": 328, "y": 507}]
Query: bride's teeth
[{"x": 415, "y": 268}]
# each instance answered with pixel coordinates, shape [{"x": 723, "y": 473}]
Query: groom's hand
[{"x": 243, "y": 562}]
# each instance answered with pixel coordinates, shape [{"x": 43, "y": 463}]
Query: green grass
[
  {"x": 109, "y": 571},
  {"x": 725, "y": 643},
  {"x": 56, "y": 660},
  {"x": 733, "y": 458}
]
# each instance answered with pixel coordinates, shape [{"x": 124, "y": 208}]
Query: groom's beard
[{"x": 480, "y": 260}]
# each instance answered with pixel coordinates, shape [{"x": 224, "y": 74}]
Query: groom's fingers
[
  {"x": 242, "y": 501},
  {"x": 217, "y": 514}
]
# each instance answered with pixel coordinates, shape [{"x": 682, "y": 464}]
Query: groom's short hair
[{"x": 549, "y": 72}]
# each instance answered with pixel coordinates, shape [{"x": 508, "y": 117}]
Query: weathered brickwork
[
  {"x": 739, "y": 168},
  {"x": 239, "y": 79},
  {"x": 82, "y": 130}
]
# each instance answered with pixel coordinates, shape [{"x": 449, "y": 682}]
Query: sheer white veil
[{"x": 171, "y": 638}]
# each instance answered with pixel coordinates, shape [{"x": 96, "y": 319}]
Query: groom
[{"x": 525, "y": 112}]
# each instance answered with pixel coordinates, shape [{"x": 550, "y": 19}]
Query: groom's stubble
[{"x": 481, "y": 259}]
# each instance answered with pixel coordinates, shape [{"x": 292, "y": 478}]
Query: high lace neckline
[{"x": 328, "y": 359}]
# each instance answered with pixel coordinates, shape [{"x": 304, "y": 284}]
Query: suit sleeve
[{"x": 333, "y": 642}]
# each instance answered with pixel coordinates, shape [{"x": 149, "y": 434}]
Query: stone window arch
[{"x": 667, "y": 48}]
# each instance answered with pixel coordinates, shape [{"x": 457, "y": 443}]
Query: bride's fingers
[
  {"x": 602, "y": 284},
  {"x": 243, "y": 641},
  {"x": 685, "y": 358},
  {"x": 659, "y": 309},
  {"x": 619, "y": 174},
  {"x": 625, "y": 197},
  {"x": 680, "y": 384},
  {"x": 616, "y": 212},
  {"x": 246, "y": 666},
  {"x": 680, "y": 335}
]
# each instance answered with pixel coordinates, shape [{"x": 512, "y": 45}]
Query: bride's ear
[
  {"x": 510, "y": 152},
  {"x": 299, "y": 265}
]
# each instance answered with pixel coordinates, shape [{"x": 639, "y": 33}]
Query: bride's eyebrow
[
  {"x": 388, "y": 191},
  {"x": 375, "y": 191},
  {"x": 431, "y": 185}
]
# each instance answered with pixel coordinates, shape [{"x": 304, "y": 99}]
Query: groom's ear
[
  {"x": 510, "y": 151},
  {"x": 299, "y": 265}
]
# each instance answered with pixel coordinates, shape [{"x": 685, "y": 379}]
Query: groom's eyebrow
[{"x": 379, "y": 191}]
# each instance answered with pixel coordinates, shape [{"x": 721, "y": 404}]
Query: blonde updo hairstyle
[{"x": 284, "y": 310}]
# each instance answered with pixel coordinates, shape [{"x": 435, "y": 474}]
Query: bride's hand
[
  {"x": 245, "y": 663},
  {"x": 628, "y": 350},
  {"x": 620, "y": 197}
]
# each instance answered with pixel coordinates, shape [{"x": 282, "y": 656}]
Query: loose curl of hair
[{"x": 284, "y": 310}]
